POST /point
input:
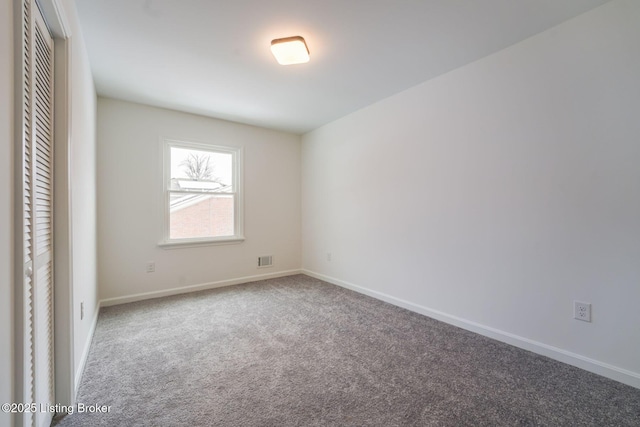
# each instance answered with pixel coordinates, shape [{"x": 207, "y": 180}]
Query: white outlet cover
[{"x": 582, "y": 311}]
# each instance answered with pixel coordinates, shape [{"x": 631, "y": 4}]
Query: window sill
[{"x": 179, "y": 244}]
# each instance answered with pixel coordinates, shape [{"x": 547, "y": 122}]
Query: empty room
[{"x": 337, "y": 212}]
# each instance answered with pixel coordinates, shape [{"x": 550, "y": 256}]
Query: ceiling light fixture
[{"x": 290, "y": 50}]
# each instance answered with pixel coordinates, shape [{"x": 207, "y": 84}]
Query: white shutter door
[
  {"x": 37, "y": 189},
  {"x": 42, "y": 212},
  {"x": 28, "y": 235}
]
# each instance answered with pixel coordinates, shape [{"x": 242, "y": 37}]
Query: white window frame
[{"x": 238, "y": 193}]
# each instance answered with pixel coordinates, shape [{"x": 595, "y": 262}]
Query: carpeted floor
[{"x": 297, "y": 351}]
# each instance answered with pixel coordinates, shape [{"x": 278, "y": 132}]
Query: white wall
[
  {"x": 130, "y": 202},
  {"x": 495, "y": 195},
  {"x": 82, "y": 191},
  {"x": 6, "y": 207}
]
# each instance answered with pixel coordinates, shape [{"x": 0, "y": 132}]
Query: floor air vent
[{"x": 265, "y": 261}]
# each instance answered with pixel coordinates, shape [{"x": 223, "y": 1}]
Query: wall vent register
[{"x": 265, "y": 261}]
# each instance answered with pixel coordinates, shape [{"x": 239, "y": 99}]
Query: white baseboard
[
  {"x": 574, "y": 359},
  {"x": 194, "y": 288},
  {"x": 85, "y": 353}
]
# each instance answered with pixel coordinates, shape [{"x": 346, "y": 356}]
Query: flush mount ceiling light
[{"x": 290, "y": 50}]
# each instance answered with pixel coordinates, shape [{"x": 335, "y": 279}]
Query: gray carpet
[{"x": 297, "y": 351}]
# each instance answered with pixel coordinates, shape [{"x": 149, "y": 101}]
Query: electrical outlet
[
  {"x": 328, "y": 256},
  {"x": 81, "y": 310},
  {"x": 151, "y": 267},
  {"x": 582, "y": 311}
]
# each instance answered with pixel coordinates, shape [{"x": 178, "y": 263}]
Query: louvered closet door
[{"x": 37, "y": 219}]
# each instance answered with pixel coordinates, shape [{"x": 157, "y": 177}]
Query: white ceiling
[{"x": 212, "y": 57}]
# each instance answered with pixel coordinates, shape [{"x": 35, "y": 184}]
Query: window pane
[
  {"x": 200, "y": 170},
  {"x": 200, "y": 215}
]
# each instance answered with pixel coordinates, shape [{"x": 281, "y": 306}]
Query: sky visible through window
[{"x": 221, "y": 164}]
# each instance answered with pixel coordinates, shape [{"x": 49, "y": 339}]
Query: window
[{"x": 202, "y": 194}]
